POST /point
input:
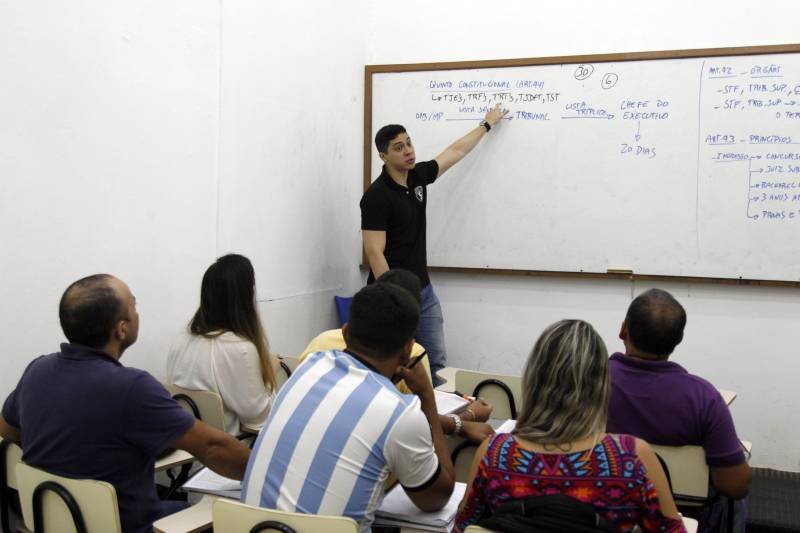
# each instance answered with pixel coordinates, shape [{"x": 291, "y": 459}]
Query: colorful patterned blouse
[{"x": 610, "y": 476}]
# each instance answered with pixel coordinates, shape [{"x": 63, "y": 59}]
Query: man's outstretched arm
[{"x": 456, "y": 151}]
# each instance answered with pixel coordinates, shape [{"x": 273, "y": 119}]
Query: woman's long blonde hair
[{"x": 565, "y": 385}]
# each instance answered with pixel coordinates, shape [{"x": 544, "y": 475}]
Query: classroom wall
[
  {"x": 108, "y": 163},
  {"x": 740, "y": 338},
  {"x": 290, "y": 156},
  {"x": 146, "y": 139}
]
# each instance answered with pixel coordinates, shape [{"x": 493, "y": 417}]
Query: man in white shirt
[{"x": 339, "y": 426}]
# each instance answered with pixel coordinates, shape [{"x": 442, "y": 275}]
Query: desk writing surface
[
  {"x": 668, "y": 164},
  {"x": 448, "y": 374},
  {"x": 196, "y": 518},
  {"x": 176, "y": 458},
  {"x": 747, "y": 446},
  {"x": 727, "y": 395}
]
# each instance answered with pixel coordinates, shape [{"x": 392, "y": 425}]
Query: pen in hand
[{"x": 411, "y": 365}]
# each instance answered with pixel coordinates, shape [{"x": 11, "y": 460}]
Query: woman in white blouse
[{"x": 224, "y": 349}]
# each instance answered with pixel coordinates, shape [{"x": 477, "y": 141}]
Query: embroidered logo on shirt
[{"x": 418, "y": 192}]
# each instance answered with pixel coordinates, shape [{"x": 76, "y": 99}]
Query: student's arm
[
  {"x": 473, "y": 507},
  {"x": 473, "y": 471},
  {"x": 474, "y": 432},
  {"x": 435, "y": 495},
  {"x": 732, "y": 481},
  {"x": 656, "y": 474},
  {"x": 9, "y": 415},
  {"x": 730, "y": 473},
  {"x": 9, "y": 432},
  {"x": 216, "y": 449},
  {"x": 374, "y": 245},
  {"x": 456, "y": 151}
]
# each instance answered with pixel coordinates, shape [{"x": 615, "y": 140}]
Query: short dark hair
[
  {"x": 385, "y": 135},
  {"x": 383, "y": 318},
  {"x": 88, "y": 310},
  {"x": 655, "y": 322},
  {"x": 403, "y": 278}
]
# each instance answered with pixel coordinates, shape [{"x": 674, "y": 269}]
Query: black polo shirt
[{"x": 400, "y": 212}]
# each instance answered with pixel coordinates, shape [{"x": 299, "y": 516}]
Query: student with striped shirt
[{"x": 339, "y": 426}]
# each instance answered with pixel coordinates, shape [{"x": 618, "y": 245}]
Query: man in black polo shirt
[
  {"x": 393, "y": 219},
  {"x": 80, "y": 413}
]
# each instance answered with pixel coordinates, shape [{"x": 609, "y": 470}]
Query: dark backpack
[{"x": 553, "y": 513}]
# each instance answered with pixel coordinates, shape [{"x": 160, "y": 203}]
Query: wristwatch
[
  {"x": 486, "y": 125},
  {"x": 457, "y": 422}
]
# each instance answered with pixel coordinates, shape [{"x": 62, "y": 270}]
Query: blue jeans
[
  {"x": 717, "y": 516},
  {"x": 430, "y": 332}
]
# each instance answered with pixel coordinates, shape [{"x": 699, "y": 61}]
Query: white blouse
[{"x": 227, "y": 365}]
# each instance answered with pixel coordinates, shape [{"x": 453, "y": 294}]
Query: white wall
[
  {"x": 740, "y": 338},
  {"x": 290, "y": 153},
  {"x": 144, "y": 139},
  {"x": 107, "y": 163}
]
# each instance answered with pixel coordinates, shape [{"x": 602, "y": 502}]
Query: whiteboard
[{"x": 676, "y": 166}]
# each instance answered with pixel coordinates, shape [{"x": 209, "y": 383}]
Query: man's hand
[
  {"x": 480, "y": 409},
  {"x": 476, "y": 431},
  {"x": 417, "y": 380},
  {"x": 495, "y": 115},
  {"x": 456, "y": 151}
]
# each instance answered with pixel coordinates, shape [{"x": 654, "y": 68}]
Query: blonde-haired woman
[{"x": 560, "y": 446}]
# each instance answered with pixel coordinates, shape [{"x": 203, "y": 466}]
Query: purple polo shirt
[
  {"x": 662, "y": 403},
  {"x": 84, "y": 415}
]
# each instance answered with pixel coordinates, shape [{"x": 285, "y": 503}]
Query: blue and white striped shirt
[{"x": 336, "y": 431}]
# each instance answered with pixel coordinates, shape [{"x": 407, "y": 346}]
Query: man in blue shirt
[{"x": 80, "y": 413}]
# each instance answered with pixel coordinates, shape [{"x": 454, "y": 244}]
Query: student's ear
[
  {"x": 407, "y": 348},
  {"x": 120, "y": 331},
  {"x": 345, "y": 332},
  {"x": 382, "y": 156},
  {"x": 623, "y": 330}
]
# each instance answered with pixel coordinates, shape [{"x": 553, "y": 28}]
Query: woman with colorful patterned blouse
[{"x": 559, "y": 445}]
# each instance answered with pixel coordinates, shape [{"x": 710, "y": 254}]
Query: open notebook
[
  {"x": 207, "y": 481},
  {"x": 398, "y": 510},
  {"x": 447, "y": 402}
]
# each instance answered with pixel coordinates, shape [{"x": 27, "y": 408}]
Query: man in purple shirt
[
  {"x": 660, "y": 402},
  {"x": 80, "y": 413}
]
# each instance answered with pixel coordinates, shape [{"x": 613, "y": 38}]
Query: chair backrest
[
  {"x": 288, "y": 365},
  {"x": 207, "y": 403},
  {"x": 343, "y": 308},
  {"x": 234, "y": 517},
  {"x": 687, "y": 471},
  {"x": 462, "y": 457},
  {"x": 10, "y": 456},
  {"x": 503, "y": 392},
  {"x": 52, "y": 503}
]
